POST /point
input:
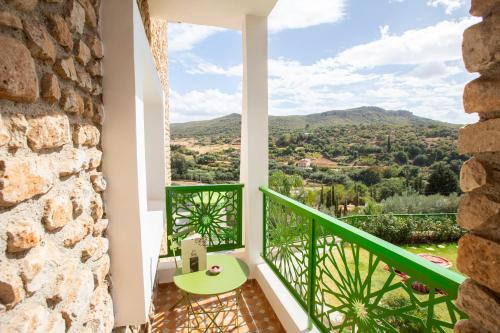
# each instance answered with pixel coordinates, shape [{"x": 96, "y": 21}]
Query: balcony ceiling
[{"x": 220, "y": 13}]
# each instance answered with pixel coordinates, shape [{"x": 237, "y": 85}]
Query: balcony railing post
[
  {"x": 264, "y": 224},
  {"x": 311, "y": 274}
]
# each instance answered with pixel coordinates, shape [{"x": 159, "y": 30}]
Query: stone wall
[
  {"x": 53, "y": 249},
  {"x": 479, "y": 211}
]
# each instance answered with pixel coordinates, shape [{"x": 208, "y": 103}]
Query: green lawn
[{"x": 448, "y": 251}]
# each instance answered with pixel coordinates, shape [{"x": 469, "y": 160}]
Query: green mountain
[{"x": 366, "y": 115}]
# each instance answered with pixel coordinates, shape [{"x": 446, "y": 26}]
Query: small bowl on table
[{"x": 214, "y": 269}]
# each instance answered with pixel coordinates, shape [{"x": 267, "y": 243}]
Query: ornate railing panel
[
  {"x": 213, "y": 211},
  {"x": 350, "y": 281}
]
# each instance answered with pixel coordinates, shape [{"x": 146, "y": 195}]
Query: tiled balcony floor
[{"x": 256, "y": 314}]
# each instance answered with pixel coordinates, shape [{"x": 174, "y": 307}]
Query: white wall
[{"x": 133, "y": 154}]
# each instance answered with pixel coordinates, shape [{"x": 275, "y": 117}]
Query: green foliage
[
  {"x": 282, "y": 183},
  {"x": 413, "y": 203},
  {"x": 403, "y": 323},
  {"x": 442, "y": 180}
]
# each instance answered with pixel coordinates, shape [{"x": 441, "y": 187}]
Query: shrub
[
  {"x": 405, "y": 324},
  {"x": 412, "y": 203}
]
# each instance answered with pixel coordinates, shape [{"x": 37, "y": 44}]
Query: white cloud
[
  {"x": 449, "y": 5},
  {"x": 296, "y": 14},
  {"x": 183, "y": 37},
  {"x": 203, "y": 104},
  {"x": 440, "y": 42}
]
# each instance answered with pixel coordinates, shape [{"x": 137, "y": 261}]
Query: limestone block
[
  {"x": 72, "y": 102},
  {"x": 40, "y": 43},
  {"x": 86, "y": 135},
  {"x": 97, "y": 207},
  {"x": 100, "y": 318},
  {"x": 51, "y": 91},
  {"x": 66, "y": 69},
  {"x": 477, "y": 212},
  {"x": 98, "y": 114},
  {"x": 22, "y": 235},
  {"x": 481, "y": 137},
  {"x": 84, "y": 80},
  {"x": 75, "y": 160},
  {"x": 18, "y": 128},
  {"x": 83, "y": 55},
  {"x": 72, "y": 288},
  {"x": 60, "y": 31},
  {"x": 98, "y": 182},
  {"x": 38, "y": 266},
  {"x": 483, "y": 7},
  {"x": 481, "y": 43},
  {"x": 32, "y": 318},
  {"x": 95, "y": 68},
  {"x": 482, "y": 305},
  {"x": 97, "y": 91},
  {"x": 94, "y": 156},
  {"x": 482, "y": 95},
  {"x": 89, "y": 108},
  {"x": 77, "y": 17},
  {"x": 24, "y": 5},
  {"x": 18, "y": 79},
  {"x": 10, "y": 20},
  {"x": 100, "y": 227},
  {"x": 22, "y": 179},
  {"x": 95, "y": 248},
  {"x": 95, "y": 45},
  {"x": 58, "y": 212},
  {"x": 48, "y": 132},
  {"x": 479, "y": 259},
  {"x": 77, "y": 230},
  {"x": 4, "y": 133},
  {"x": 11, "y": 286},
  {"x": 101, "y": 267},
  {"x": 90, "y": 15}
]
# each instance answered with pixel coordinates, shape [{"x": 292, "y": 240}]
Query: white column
[{"x": 254, "y": 132}]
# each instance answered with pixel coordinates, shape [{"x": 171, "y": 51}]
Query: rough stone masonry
[
  {"x": 479, "y": 211},
  {"x": 54, "y": 261}
]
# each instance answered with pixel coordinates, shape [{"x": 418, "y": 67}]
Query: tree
[
  {"x": 369, "y": 177},
  {"x": 441, "y": 180},
  {"x": 401, "y": 157},
  {"x": 179, "y": 164}
]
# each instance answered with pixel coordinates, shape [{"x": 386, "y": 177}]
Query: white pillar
[{"x": 254, "y": 132}]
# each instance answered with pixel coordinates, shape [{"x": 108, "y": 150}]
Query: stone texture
[
  {"x": 98, "y": 182},
  {"x": 51, "y": 91},
  {"x": 58, "y": 212},
  {"x": 100, "y": 318},
  {"x": 18, "y": 79},
  {"x": 101, "y": 266},
  {"x": 84, "y": 80},
  {"x": 72, "y": 102},
  {"x": 98, "y": 114},
  {"x": 32, "y": 318},
  {"x": 48, "y": 132},
  {"x": 100, "y": 227},
  {"x": 38, "y": 266},
  {"x": 90, "y": 15},
  {"x": 4, "y": 133},
  {"x": 79, "y": 196},
  {"x": 60, "y": 31},
  {"x": 22, "y": 235},
  {"x": 468, "y": 326},
  {"x": 479, "y": 259},
  {"x": 66, "y": 69},
  {"x": 482, "y": 305},
  {"x": 10, "y": 20},
  {"x": 481, "y": 43},
  {"x": 22, "y": 179},
  {"x": 76, "y": 160},
  {"x": 95, "y": 45},
  {"x": 483, "y": 7},
  {"x": 95, "y": 68},
  {"x": 89, "y": 108},
  {"x": 40, "y": 43},
  {"x": 482, "y": 95},
  {"x": 77, "y": 230},
  {"x": 24, "y": 5},
  {"x": 95, "y": 248},
  {"x": 97, "y": 207},
  {"x": 18, "y": 128},
  {"x": 477, "y": 212},
  {"x": 77, "y": 17},
  {"x": 11, "y": 287},
  {"x": 480, "y": 137},
  {"x": 86, "y": 135},
  {"x": 83, "y": 55}
]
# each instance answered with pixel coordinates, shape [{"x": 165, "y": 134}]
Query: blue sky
[{"x": 331, "y": 54}]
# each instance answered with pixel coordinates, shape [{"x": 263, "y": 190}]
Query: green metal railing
[
  {"x": 213, "y": 211},
  {"x": 350, "y": 281}
]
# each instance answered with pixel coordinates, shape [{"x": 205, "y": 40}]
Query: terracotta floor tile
[{"x": 254, "y": 316}]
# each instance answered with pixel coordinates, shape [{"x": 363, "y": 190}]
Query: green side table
[{"x": 232, "y": 277}]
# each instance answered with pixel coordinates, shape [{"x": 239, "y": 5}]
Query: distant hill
[{"x": 366, "y": 115}]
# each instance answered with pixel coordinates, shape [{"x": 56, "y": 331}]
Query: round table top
[{"x": 233, "y": 275}]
